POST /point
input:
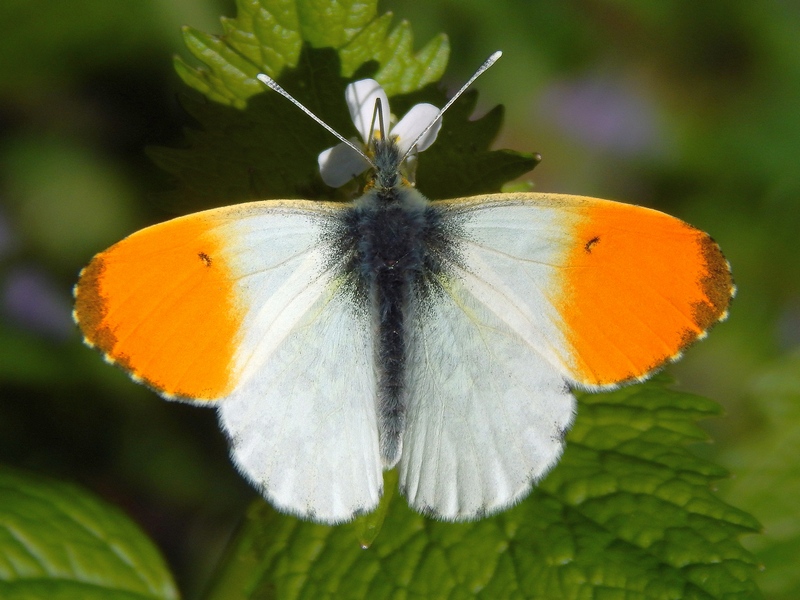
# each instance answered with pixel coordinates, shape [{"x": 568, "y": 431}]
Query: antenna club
[
  {"x": 486, "y": 64},
  {"x": 266, "y": 80}
]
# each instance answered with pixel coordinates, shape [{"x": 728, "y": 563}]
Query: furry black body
[{"x": 398, "y": 243}]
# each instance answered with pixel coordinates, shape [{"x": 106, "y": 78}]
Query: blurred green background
[{"x": 690, "y": 107}]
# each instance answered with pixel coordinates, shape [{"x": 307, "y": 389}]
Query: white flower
[{"x": 340, "y": 164}]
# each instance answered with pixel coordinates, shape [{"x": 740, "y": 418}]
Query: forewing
[
  {"x": 606, "y": 292},
  {"x": 244, "y": 306}
]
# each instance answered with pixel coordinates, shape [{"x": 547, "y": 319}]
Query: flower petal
[
  {"x": 340, "y": 164},
  {"x": 361, "y": 96},
  {"x": 413, "y": 123}
]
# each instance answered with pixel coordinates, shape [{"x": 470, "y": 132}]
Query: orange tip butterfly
[{"x": 337, "y": 340}]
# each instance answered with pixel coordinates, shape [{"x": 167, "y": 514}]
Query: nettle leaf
[
  {"x": 57, "y": 541},
  {"x": 768, "y": 477},
  {"x": 269, "y": 149},
  {"x": 627, "y": 513},
  {"x": 267, "y": 36}
]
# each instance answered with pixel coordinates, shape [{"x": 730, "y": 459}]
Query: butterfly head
[{"x": 385, "y": 153}]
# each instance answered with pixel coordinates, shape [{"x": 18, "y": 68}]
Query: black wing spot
[
  {"x": 591, "y": 243},
  {"x": 205, "y": 258}
]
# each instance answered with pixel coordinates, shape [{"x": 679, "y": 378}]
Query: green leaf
[
  {"x": 59, "y": 542},
  {"x": 628, "y": 513},
  {"x": 768, "y": 477},
  {"x": 267, "y": 36},
  {"x": 269, "y": 149}
]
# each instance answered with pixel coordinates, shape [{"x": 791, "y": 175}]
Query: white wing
[
  {"x": 486, "y": 415},
  {"x": 302, "y": 418},
  {"x": 488, "y": 406}
]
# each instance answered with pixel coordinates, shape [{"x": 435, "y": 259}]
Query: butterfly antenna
[
  {"x": 273, "y": 85},
  {"x": 487, "y": 63},
  {"x": 377, "y": 116}
]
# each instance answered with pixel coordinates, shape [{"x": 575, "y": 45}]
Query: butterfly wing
[
  {"x": 486, "y": 413},
  {"x": 548, "y": 291},
  {"x": 238, "y": 307},
  {"x": 608, "y": 292}
]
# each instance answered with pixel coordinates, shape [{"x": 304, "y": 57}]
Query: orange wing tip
[
  {"x": 161, "y": 304},
  {"x": 659, "y": 283}
]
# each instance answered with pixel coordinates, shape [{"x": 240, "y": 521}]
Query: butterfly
[{"x": 443, "y": 338}]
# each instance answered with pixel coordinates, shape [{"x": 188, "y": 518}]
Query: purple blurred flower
[
  {"x": 604, "y": 113},
  {"x": 33, "y": 301}
]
